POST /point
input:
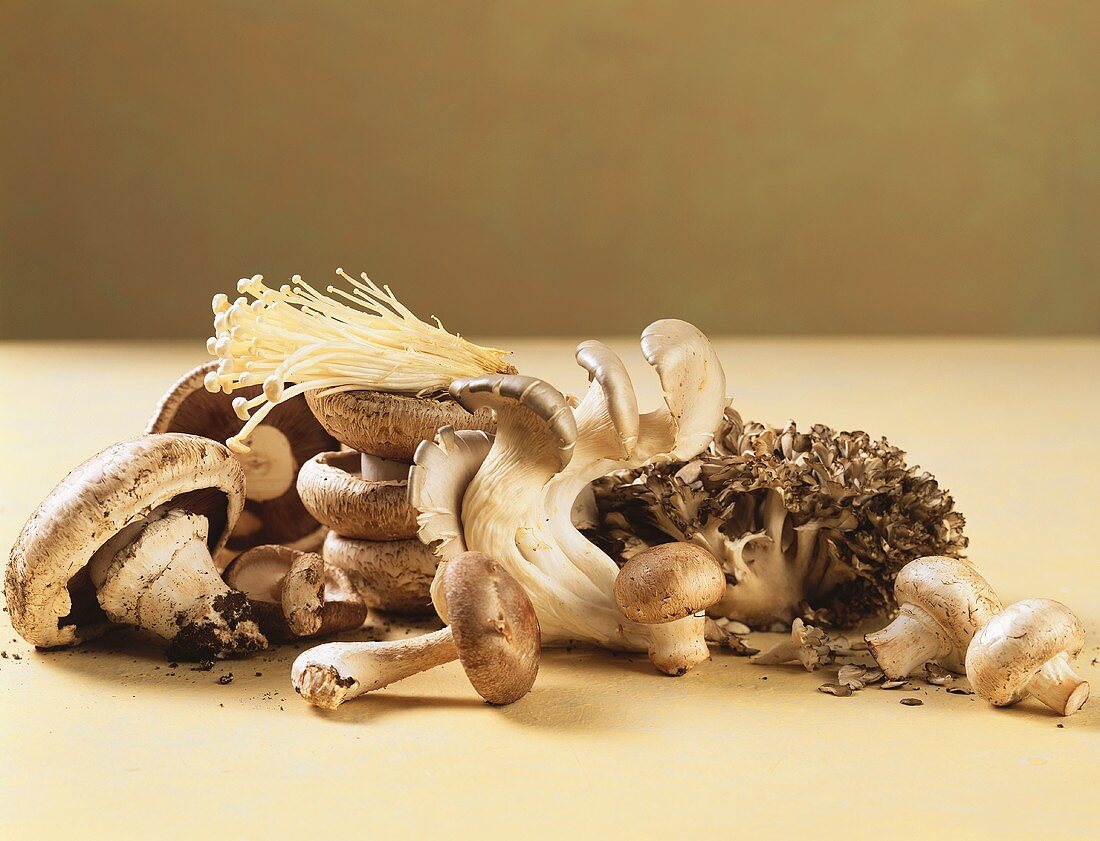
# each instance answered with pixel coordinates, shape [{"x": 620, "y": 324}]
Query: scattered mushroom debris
[{"x": 912, "y": 702}]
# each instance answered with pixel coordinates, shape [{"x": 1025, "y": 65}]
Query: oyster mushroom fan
[
  {"x": 510, "y": 497},
  {"x": 814, "y": 524}
]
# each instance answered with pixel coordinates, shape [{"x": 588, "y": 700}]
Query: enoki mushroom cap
[
  {"x": 668, "y": 582},
  {"x": 495, "y": 628}
]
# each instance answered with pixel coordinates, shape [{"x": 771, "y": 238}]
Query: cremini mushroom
[
  {"x": 669, "y": 587},
  {"x": 128, "y": 536},
  {"x": 493, "y": 631},
  {"x": 942, "y": 602},
  {"x": 394, "y": 576},
  {"x": 1025, "y": 650},
  {"x": 288, "y": 437},
  {"x": 390, "y": 426},
  {"x": 293, "y": 594},
  {"x": 341, "y": 491}
]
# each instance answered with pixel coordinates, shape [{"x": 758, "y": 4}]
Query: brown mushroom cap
[
  {"x": 668, "y": 582},
  {"x": 1016, "y": 643},
  {"x": 332, "y": 490},
  {"x": 495, "y": 627},
  {"x": 390, "y": 575},
  {"x": 391, "y": 425},
  {"x": 50, "y": 596},
  {"x": 294, "y": 594},
  {"x": 288, "y": 437}
]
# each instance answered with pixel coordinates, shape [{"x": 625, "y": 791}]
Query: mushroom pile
[
  {"x": 360, "y": 494},
  {"x": 430, "y": 474}
]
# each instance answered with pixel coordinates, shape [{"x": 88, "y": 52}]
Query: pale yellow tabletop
[{"x": 110, "y": 740}]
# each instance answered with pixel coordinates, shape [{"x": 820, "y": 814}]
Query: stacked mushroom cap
[
  {"x": 288, "y": 437},
  {"x": 361, "y": 495}
]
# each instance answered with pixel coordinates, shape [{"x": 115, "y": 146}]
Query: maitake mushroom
[
  {"x": 128, "y": 536},
  {"x": 492, "y": 629},
  {"x": 288, "y": 437},
  {"x": 814, "y": 524},
  {"x": 513, "y": 498}
]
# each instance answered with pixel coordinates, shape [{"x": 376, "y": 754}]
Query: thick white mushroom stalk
[
  {"x": 513, "y": 503},
  {"x": 344, "y": 341}
]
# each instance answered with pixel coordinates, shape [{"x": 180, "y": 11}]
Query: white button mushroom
[
  {"x": 128, "y": 536},
  {"x": 942, "y": 603},
  {"x": 668, "y": 588},
  {"x": 1025, "y": 650},
  {"x": 493, "y": 631}
]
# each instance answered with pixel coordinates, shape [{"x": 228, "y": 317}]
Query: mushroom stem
[
  {"x": 677, "y": 647},
  {"x": 911, "y": 640},
  {"x": 330, "y": 674},
  {"x": 164, "y": 580},
  {"x": 376, "y": 469},
  {"x": 1059, "y": 687}
]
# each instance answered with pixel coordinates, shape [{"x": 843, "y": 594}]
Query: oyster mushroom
[
  {"x": 288, "y": 437},
  {"x": 669, "y": 587},
  {"x": 394, "y": 576},
  {"x": 942, "y": 604},
  {"x": 492, "y": 630},
  {"x": 1025, "y": 650},
  {"x": 128, "y": 537},
  {"x": 294, "y": 594},
  {"x": 341, "y": 491}
]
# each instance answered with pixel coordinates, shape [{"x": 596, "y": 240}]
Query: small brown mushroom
[
  {"x": 394, "y": 576},
  {"x": 294, "y": 594},
  {"x": 336, "y": 492},
  {"x": 942, "y": 604},
  {"x": 390, "y": 426},
  {"x": 493, "y": 631},
  {"x": 288, "y": 437},
  {"x": 668, "y": 587},
  {"x": 128, "y": 536},
  {"x": 1025, "y": 650}
]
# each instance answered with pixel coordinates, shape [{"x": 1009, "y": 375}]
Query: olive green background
[{"x": 575, "y": 168}]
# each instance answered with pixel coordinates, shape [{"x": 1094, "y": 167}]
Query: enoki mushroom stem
[{"x": 295, "y": 339}]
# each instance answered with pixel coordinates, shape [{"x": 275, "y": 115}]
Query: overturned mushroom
[
  {"x": 293, "y": 594},
  {"x": 808, "y": 645},
  {"x": 128, "y": 537},
  {"x": 942, "y": 604},
  {"x": 392, "y": 576},
  {"x": 669, "y": 588},
  {"x": 343, "y": 492},
  {"x": 492, "y": 630},
  {"x": 1025, "y": 650},
  {"x": 288, "y": 437}
]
